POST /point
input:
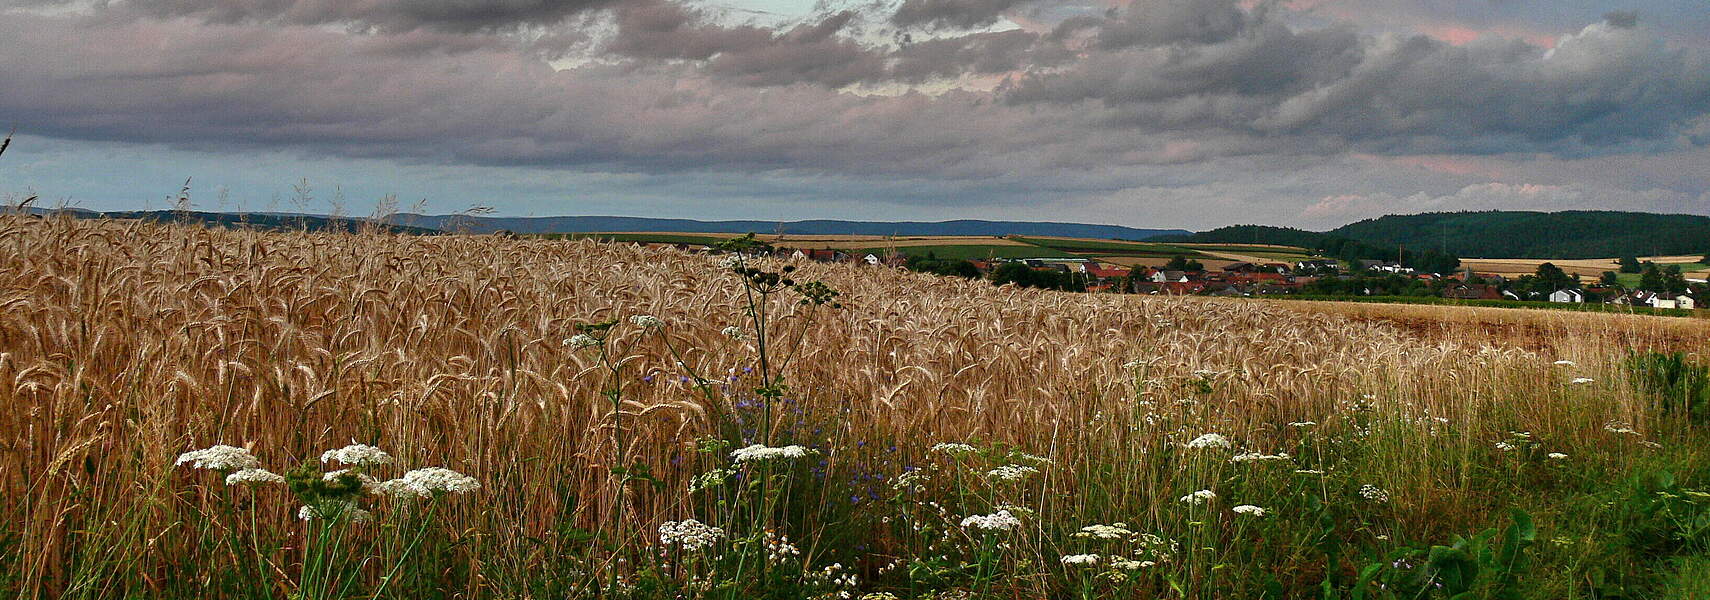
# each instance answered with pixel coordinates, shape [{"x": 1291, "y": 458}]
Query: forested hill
[{"x": 1501, "y": 234}]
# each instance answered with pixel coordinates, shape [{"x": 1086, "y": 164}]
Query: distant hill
[
  {"x": 1499, "y": 234},
  {"x": 813, "y": 227},
  {"x": 268, "y": 221}
]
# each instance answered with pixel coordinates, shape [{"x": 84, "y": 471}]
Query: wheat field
[{"x": 125, "y": 344}]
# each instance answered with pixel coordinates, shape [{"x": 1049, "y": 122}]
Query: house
[
  {"x": 1107, "y": 274},
  {"x": 826, "y": 255},
  {"x": 871, "y": 260},
  {"x": 1316, "y": 264},
  {"x": 1472, "y": 291},
  {"x": 1239, "y": 267},
  {"x": 1685, "y": 301},
  {"x": 1567, "y": 295},
  {"x": 1393, "y": 268},
  {"x": 1366, "y": 264},
  {"x": 1664, "y": 302},
  {"x": 1169, "y": 277}
]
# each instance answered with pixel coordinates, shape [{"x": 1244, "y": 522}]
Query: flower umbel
[{"x": 220, "y": 458}]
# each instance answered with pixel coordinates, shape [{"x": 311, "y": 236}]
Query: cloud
[
  {"x": 952, "y": 14},
  {"x": 1085, "y": 103},
  {"x": 387, "y": 15}
]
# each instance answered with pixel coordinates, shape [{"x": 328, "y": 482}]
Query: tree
[
  {"x": 1552, "y": 278},
  {"x": 1179, "y": 262},
  {"x": 1652, "y": 278},
  {"x": 1611, "y": 279},
  {"x": 1630, "y": 264}
]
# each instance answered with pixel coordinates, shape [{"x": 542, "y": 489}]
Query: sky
[{"x": 1147, "y": 113}]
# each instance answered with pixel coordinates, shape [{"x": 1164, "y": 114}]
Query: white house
[
  {"x": 871, "y": 260},
  {"x": 1685, "y": 301},
  {"x": 1169, "y": 276},
  {"x": 1567, "y": 296}
]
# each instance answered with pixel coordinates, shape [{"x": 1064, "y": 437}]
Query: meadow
[{"x": 224, "y": 413}]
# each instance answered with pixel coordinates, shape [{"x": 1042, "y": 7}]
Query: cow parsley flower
[
  {"x": 1506, "y": 447},
  {"x": 693, "y": 535},
  {"x": 253, "y": 477},
  {"x": 762, "y": 453},
  {"x": 952, "y": 448},
  {"x": 1124, "y": 564},
  {"x": 1302, "y": 423},
  {"x": 336, "y": 510},
  {"x": 1011, "y": 473},
  {"x": 219, "y": 458},
  {"x": 1563, "y": 363},
  {"x": 1556, "y": 456},
  {"x": 582, "y": 340},
  {"x": 1209, "y": 440},
  {"x": 361, "y": 455},
  {"x": 1080, "y": 560},
  {"x": 370, "y": 485},
  {"x": 1374, "y": 493},
  {"x": 1114, "y": 531},
  {"x": 646, "y": 321},
  {"x": 427, "y": 483},
  {"x": 1258, "y": 457},
  {"x": 1581, "y": 380},
  {"x": 1620, "y": 427},
  {"x": 732, "y": 332},
  {"x": 1001, "y": 520},
  {"x": 1248, "y": 509},
  {"x": 1199, "y": 497}
]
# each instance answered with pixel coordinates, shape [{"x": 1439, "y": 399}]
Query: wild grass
[{"x": 125, "y": 344}]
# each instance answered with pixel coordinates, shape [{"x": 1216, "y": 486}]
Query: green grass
[
  {"x": 1114, "y": 247},
  {"x": 644, "y": 238},
  {"x": 971, "y": 251}
]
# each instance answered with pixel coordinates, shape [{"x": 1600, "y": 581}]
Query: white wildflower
[
  {"x": 732, "y": 332},
  {"x": 1011, "y": 473},
  {"x": 1199, "y": 497},
  {"x": 646, "y": 321},
  {"x": 730, "y": 261},
  {"x": 1258, "y": 457},
  {"x": 1620, "y": 427},
  {"x": 708, "y": 480},
  {"x": 1248, "y": 509},
  {"x": 1209, "y": 440},
  {"x": 220, "y": 458},
  {"x": 427, "y": 483},
  {"x": 762, "y": 453},
  {"x": 1309, "y": 471},
  {"x": 370, "y": 485},
  {"x": 1001, "y": 520},
  {"x": 253, "y": 476},
  {"x": 582, "y": 340},
  {"x": 1124, "y": 564},
  {"x": 1506, "y": 447},
  {"x": 336, "y": 510},
  {"x": 1581, "y": 380},
  {"x": 1374, "y": 493},
  {"x": 1115, "y": 531},
  {"x": 953, "y": 448},
  {"x": 1302, "y": 423},
  {"x": 693, "y": 535},
  {"x": 1556, "y": 456},
  {"x": 1563, "y": 363},
  {"x": 361, "y": 455},
  {"x": 1080, "y": 560}
]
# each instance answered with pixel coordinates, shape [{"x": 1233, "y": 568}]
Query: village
[{"x": 1317, "y": 277}]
